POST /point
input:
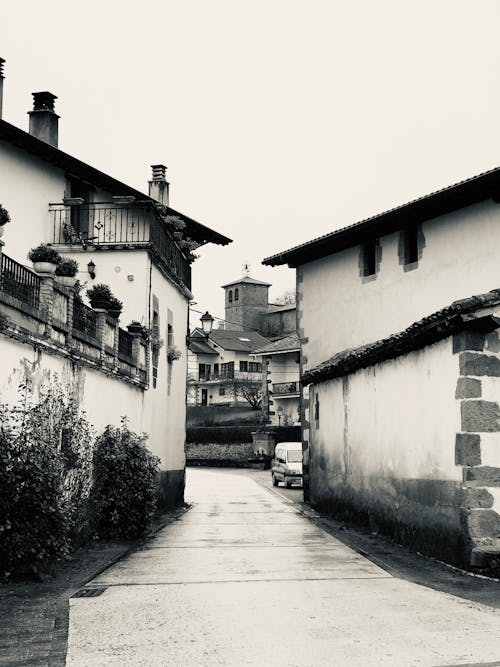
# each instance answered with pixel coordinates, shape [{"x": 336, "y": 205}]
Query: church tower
[{"x": 245, "y": 300}]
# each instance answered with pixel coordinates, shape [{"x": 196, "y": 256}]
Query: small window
[
  {"x": 244, "y": 366},
  {"x": 411, "y": 245},
  {"x": 230, "y": 297},
  {"x": 370, "y": 258},
  {"x": 236, "y": 294},
  {"x": 316, "y": 411},
  {"x": 222, "y": 391}
]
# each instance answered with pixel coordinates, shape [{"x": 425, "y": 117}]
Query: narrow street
[{"x": 245, "y": 578}]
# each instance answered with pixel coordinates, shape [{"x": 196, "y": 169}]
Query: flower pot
[
  {"x": 67, "y": 281},
  {"x": 101, "y": 305},
  {"x": 115, "y": 314},
  {"x": 45, "y": 268}
]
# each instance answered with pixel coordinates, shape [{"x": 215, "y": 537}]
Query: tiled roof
[
  {"x": 48, "y": 153},
  {"x": 237, "y": 341},
  {"x": 199, "y": 346},
  {"x": 286, "y": 344},
  {"x": 441, "y": 324},
  {"x": 467, "y": 192},
  {"x": 247, "y": 280}
]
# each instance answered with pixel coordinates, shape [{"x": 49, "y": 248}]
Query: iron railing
[
  {"x": 125, "y": 341},
  {"x": 230, "y": 374},
  {"x": 106, "y": 224},
  {"x": 19, "y": 282},
  {"x": 84, "y": 319},
  {"x": 285, "y": 388}
]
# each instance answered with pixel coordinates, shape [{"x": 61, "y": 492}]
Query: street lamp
[
  {"x": 91, "y": 269},
  {"x": 206, "y": 323}
]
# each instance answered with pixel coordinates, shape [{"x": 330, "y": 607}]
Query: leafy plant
[
  {"x": 115, "y": 304},
  {"x": 67, "y": 267},
  {"x": 124, "y": 490},
  {"x": 4, "y": 216},
  {"x": 173, "y": 354},
  {"x": 44, "y": 253},
  {"x": 100, "y": 292}
]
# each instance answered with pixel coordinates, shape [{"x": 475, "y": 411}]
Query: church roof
[{"x": 247, "y": 281}]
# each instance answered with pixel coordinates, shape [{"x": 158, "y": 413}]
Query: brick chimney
[
  {"x": 44, "y": 122},
  {"x": 159, "y": 186},
  {"x": 1, "y": 84}
]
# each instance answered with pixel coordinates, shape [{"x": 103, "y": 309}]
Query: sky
[{"x": 279, "y": 120}]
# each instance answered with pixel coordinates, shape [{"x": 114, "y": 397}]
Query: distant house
[
  {"x": 221, "y": 366},
  {"x": 281, "y": 386},
  {"x": 132, "y": 241},
  {"x": 398, "y": 320}
]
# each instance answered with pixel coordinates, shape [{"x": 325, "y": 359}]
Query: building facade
[
  {"x": 401, "y": 420},
  {"x": 131, "y": 241}
]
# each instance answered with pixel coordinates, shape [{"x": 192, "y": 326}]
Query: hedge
[{"x": 221, "y": 434}]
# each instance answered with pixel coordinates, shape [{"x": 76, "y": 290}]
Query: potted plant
[
  {"x": 100, "y": 296},
  {"x": 4, "y": 218},
  {"x": 138, "y": 329},
  {"x": 66, "y": 271},
  {"x": 115, "y": 307},
  {"x": 173, "y": 354},
  {"x": 45, "y": 259}
]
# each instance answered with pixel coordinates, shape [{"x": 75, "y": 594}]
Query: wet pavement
[{"x": 246, "y": 578}]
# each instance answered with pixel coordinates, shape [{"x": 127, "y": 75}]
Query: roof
[
  {"x": 75, "y": 167},
  {"x": 237, "y": 341},
  {"x": 276, "y": 308},
  {"x": 198, "y": 345},
  {"x": 248, "y": 281},
  {"x": 467, "y": 192},
  {"x": 286, "y": 344},
  {"x": 471, "y": 313}
]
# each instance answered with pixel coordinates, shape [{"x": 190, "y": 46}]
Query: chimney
[
  {"x": 158, "y": 187},
  {"x": 44, "y": 122},
  {"x": 1, "y": 84}
]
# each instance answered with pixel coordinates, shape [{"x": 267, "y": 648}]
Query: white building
[
  {"x": 139, "y": 246},
  {"x": 400, "y": 359}
]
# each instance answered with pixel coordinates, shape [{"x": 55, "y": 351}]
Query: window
[
  {"x": 204, "y": 371},
  {"x": 411, "y": 245},
  {"x": 155, "y": 343},
  {"x": 244, "y": 366},
  {"x": 230, "y": 296},
  {"x": 316, "y": 411},
  {"x": 370, "y": 258},
  {"x": 227, "y": 370},
  {"x": 216, "y": 370},
  {"x": 254, "y": 367},
  {"x": 236, "y": 294},
  {"x": 222, "y": 391},
  {"x": 170, "y": 337}
]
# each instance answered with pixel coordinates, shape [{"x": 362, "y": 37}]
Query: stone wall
[{"x": 237, "y": 454}]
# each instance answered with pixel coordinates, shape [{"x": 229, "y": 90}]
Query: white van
[{"x": 286, "y": 466}]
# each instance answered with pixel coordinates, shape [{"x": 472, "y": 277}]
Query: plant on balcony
[
  {"x": 66, "y": 271},
  {"x": 115, "y": 307},
  {"x": 173, "y": 354},
  {"x": 4, "y": 218},
  {"x": 135, "y": 327},
  {"x": 45, "y": 259},
  {"x": 100, "y": 296}
]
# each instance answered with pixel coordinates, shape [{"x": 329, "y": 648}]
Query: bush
[
  {"x": 124, "y": 490},
  {"x": 44, "y": 253},
  {"x": 100, "y": 292},
  {"x": 67, "y": 267},
  {"x": 4, "y": 216}
]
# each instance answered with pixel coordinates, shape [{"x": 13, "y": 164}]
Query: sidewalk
[{"x": 245, "y": 578}]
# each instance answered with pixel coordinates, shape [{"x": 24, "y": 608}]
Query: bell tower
[{"x": 245, "y": 300}]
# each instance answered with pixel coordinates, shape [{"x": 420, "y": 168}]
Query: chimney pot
[
  {"x": 159, "y": 172},
  {"x": 44, "y": 122},
  {"x": 158, "y": 186}
]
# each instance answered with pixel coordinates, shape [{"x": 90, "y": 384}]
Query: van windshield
[{"x": 294, "y": 456}]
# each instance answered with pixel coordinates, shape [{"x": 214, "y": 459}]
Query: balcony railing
[
  {"x": 84, "y": 319},
  {"x": 284, "y": 388},
  {"x": 105, "y": 225},
  {"x": 19, "y": 282},
  {"x": 230, "y": 375}
]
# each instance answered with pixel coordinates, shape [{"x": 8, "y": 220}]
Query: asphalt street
[{"x": 247, "y": 577}]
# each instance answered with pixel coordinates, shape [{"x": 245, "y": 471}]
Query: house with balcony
[
  {"x": 132, "y": 241},
  {"x": 281, "y": 385},
  {"x": 222, "y": 371}
]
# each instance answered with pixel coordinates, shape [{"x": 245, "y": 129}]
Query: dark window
[
  {"x": 370, "y": 258},
  {"x": 243, "y": 366},
  {"x": 222, "y": 391},
  {"x": 155, "y": 346},
  {"x": 254, "y": 367},
  {"x": 216, "y": 370},
  {"x": 411, "y": 245},
  {"x": 230, "y": 296},
  {"x": 227, "y": 370},
  {"x": 316, "y": 411},
  {"x": 236, "y": 294},
  {"x": 170, "y": 337},
  {"x": 204, "y": 371}
]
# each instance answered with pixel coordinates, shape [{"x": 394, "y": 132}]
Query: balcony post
[{"x": 47, "y": 302}]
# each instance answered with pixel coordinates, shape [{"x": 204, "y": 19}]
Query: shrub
[
  {"x": 44, "y": 253},
  {"x": 67, "y": 267},
  {"x": 100, "y": 292},
  {"x": 4, "y": 216},
  {"x": 220, "y": 434},
  {"x": 115, "y": 305},
  {"x": 124, "y": 490}
]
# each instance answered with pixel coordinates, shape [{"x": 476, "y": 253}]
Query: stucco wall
[
  {"x": 383, "y": 448},
  {"x": 340, "y": 310}
]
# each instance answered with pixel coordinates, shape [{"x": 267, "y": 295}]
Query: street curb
[{"x": 59, "y": 640}]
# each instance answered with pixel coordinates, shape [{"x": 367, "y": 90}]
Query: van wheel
[
  {"x": 288, "y": 485},
  {"x": 275, "y": 481}
]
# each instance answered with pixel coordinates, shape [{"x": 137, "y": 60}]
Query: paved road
[{"x": 244, "y": 578}]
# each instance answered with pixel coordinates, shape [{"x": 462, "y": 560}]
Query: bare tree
[
  {"x": 248, "y": 390},
  {"x": 287, "y": 298}
]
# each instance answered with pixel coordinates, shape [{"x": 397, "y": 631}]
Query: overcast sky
[{"x": 278, "y": 120}]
